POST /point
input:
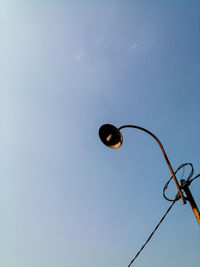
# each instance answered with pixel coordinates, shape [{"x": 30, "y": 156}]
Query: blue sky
[{"x": 67, "y": 67}]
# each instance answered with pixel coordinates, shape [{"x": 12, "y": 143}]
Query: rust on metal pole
[
  {"x": 164, "y": 154},
  {"x": 191, "y": 200}
]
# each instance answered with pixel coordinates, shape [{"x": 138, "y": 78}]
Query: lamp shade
[{"x": 110, "y": 136}]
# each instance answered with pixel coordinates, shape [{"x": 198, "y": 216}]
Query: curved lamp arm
[
  {"x": 111, "y": 137},
  {"x": 164, "y": 154}
]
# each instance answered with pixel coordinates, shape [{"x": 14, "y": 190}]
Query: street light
[{"x": 112, "y": 137}]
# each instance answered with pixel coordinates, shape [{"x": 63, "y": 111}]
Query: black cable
[
  {"x": 189, "y": 181},
  {"x": 153, "y": 231}
]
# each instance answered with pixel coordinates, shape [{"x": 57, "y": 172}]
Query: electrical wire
[
  {"x": 189, "y": 180},
  {"x": 153, "y": 231},
  {"x": 177, "y": 197}
]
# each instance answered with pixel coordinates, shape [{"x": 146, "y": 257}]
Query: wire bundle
[
  {"x": 177, "y": 197},
  {"x": 188, "y": 181}
]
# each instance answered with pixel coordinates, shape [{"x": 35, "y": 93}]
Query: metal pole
[
  {"x": 164, "y": 154},
  {"x": 185, "y": 186}
]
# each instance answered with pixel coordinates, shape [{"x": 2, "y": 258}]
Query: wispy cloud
[
  {"x": 135, "y": 45},
  {"x": 78, "y": 57}
]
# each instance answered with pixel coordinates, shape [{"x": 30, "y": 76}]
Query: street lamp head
[{"x": 110, "y": 136}]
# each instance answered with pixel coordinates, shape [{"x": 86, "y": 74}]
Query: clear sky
[{"x": 66, "y": 68}]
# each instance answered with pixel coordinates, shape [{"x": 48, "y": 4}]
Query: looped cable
[
  {"x": 177, "y": 197},
  {"x": 188, "y": 179}
]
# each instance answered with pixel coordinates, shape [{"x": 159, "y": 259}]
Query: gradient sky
[{"x": 66, "y": 68}]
